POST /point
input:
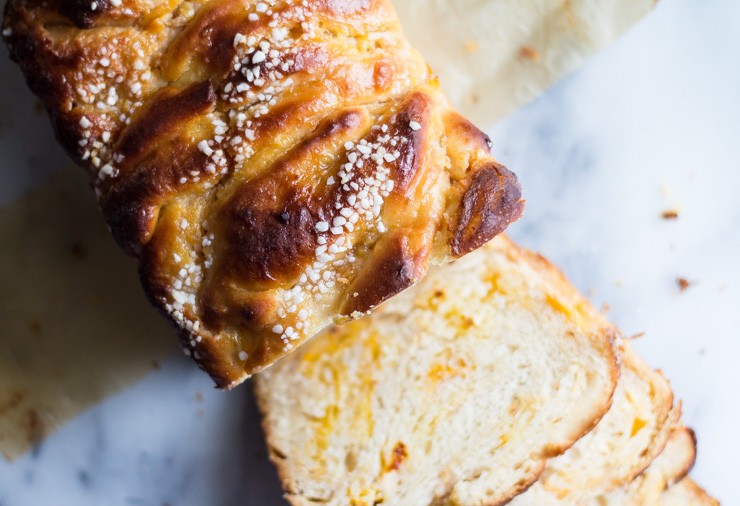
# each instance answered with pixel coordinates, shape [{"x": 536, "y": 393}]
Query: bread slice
[
  {"x": 672, "y": 465},
  {"x": 686, "y": 493},
  {"x": 629, "y": 437},
  {"x": 454, "y": 393}
]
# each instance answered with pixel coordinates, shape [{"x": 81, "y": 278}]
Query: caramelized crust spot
[
  {"x": 416, "y": 110},
  {"x": 208, "y": 38},
  {"x": 131, "y": 206},
  {"x": 490, "y": 204},
  {"x": 80, "y": 12},
  {"x": 393, "y": 267},
  {"x": 269, "y": 224},
  {"x": 168, "y": 112}
]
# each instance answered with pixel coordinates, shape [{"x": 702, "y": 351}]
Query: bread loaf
[{"x": 275, "y": 165}]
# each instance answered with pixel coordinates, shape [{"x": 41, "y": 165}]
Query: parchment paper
[
  {"x": 76, "y": 325},
  {"x": 492, "y": 56}
]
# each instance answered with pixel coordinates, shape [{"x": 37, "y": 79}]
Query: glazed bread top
[{"x": 275, "y": 165}]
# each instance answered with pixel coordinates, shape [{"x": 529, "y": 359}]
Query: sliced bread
[
  {"x": 629, "y": 437},
  {"x": 686, "y": 493},
  {"x": 672, "y": 465},
  {"x": 453, "y": 393}
]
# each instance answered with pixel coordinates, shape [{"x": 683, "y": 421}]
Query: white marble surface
[{"x": 651, "y": 123}]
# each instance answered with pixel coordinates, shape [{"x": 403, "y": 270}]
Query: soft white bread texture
[
  {"x": 686, "y": 493},
  {"x": 672, "y": 465},
  {"x": 453, "y": 393},
  {"x": 629, "y": 437}
]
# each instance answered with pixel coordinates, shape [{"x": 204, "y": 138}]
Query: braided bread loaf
[{"x": 275, "y": 165}]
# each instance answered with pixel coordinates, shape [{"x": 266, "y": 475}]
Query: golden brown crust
[
  {"x": 687, "y": 491},
  {"x": 266, "y": 160},
  {"x": 396, "y": 268},
  {"x": 487, "y": 205},
  {"x": 689, "y": 464}
]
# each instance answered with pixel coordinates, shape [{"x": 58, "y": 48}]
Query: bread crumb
[
  {"x": 472, "y": 99},
  {"x": 638, "y": 335},
  {"x": 683, "y": 284},
  {"x": 529, "y": 53},
  {"x": 670, "y": 214}
]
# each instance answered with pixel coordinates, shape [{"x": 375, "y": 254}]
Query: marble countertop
[{"x": 650, "y": 124}]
